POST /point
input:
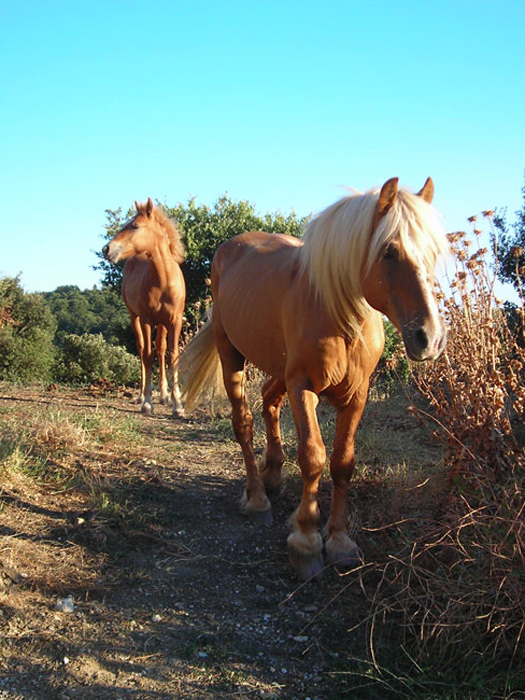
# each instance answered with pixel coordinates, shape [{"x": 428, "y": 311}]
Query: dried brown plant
[{"x": 459, "y": 588}]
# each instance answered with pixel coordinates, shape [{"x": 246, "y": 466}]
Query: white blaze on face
[{"x": 433, "y": 325}]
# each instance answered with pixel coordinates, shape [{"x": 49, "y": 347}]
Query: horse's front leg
[
  {"x": 305, "y": 546},
  {"x": 340, "y": 549},
  {"x": 139, "y": 337},
  {"x": 273, "y": 394}
]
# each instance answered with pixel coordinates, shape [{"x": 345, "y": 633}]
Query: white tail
[{"x": 200, "y": 368}]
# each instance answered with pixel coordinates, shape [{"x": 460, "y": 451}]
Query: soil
[{"x": 143, "y": 580}]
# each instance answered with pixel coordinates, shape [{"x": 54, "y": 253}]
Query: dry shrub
[
  {"x": 458, "y": 587},
  {"x": 55, "y": 431},
  {"x": 476, "y": 389}
]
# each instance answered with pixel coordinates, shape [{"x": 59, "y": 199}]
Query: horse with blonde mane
[
  {"x": 308, "y": 313},
  {"x": 154, "y": 292}
]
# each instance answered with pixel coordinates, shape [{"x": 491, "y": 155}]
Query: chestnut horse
[
  {"x": 153, "y": 289},
  {"x": 307, "y": 312}
]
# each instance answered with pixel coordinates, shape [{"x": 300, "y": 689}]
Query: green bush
[
  {"x": 86, "y": 358},
  {"x": 393, "y": 367},
  {"x": 27, "y": 329}
]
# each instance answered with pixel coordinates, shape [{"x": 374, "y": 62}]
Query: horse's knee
[{"x": 311, "y": 455}]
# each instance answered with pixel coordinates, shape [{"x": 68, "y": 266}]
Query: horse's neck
[{"x": 162, "y": 265}]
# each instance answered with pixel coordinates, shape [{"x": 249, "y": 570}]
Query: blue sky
[{"x": 280, "y": 103}]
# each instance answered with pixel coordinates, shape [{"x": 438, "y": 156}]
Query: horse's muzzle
[
  {"x": 111, "y": 252},
  {"x": 422, "y": 345}
]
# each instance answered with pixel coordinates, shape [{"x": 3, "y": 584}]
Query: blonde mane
[
  {"x": 173, "y": 233},
  {"x": 339, "y": 246}
]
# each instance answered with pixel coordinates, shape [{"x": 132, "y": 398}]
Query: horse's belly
[{"x": 258, "y": 339}]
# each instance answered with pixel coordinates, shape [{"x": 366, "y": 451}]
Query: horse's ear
[
  {"x": 137, "y": 206},
  {"x": 149, "y": 207},
  {"x": 427, "y": 191},
  {"x": 387, "y": 196}
]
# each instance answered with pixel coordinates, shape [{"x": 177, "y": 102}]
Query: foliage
[
  {"x": 91, "y": 311},
  {"x": 88, "y": 358},
  {"x": 27, "y": 328},
  {"x": 204, "y": 229},
  {"x": 112, "y": 273},
  {"x": 510, "y": 243},
  {"x": 393, "y": 367}
]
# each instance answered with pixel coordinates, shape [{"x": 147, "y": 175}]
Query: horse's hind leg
[
  {"x": 147, "y": 358},
  {"x": 273, "y": 394},
  {"x": 255, "y": 501},
  {"x": 173, "y": 360},
  {"x": 160, "y": 347}
]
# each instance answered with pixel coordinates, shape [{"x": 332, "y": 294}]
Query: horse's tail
[{"x": 200, "y": 368}]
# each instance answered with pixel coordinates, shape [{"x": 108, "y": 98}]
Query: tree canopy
[
  {"x": 91, "y": 311},
  {"x": 511, "y": 247}
]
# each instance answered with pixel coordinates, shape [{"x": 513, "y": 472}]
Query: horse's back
[
  {"x": 256, "y": 252},
  {"x": 253, "y": 278}
]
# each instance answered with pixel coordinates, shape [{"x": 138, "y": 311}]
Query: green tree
[
  {"x": 91, "y": 311},
  {"x": 511, "y": 247},
  {"x": 205, "y": 228},
  {"x": 27, "y": 329}
]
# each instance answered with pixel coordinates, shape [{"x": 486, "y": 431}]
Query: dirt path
[{"x": 175, "y": 594}]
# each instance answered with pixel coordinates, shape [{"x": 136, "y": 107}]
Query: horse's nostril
[
  {"x": 421, "y": 339},
  {"x": 105, "y": 250}
]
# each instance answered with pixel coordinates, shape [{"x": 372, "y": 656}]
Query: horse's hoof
[
  {"x": 146, "y": 409},
  {"x": 257, "y": 508},
  {"x": 306, "y": 555},
  {"x": 306, "y": 567},
  {"x": 260, "y": 517},
  {"x": 342, "y": 551},
  {"x": 178, "y": 413}
]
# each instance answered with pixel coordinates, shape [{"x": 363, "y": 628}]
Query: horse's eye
[{"x": 391, "y": 253}]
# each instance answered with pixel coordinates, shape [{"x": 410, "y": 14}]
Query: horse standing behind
[
  {"x": 153, "y": 289},
  {"x": 307, "y": 312}
]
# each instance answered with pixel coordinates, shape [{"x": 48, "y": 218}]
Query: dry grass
[{"x": 456, "y": 584}]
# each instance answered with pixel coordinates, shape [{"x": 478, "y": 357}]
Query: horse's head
[
  {"x": 398, "y": 278},
  {"x": 135, "y": 237}
]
